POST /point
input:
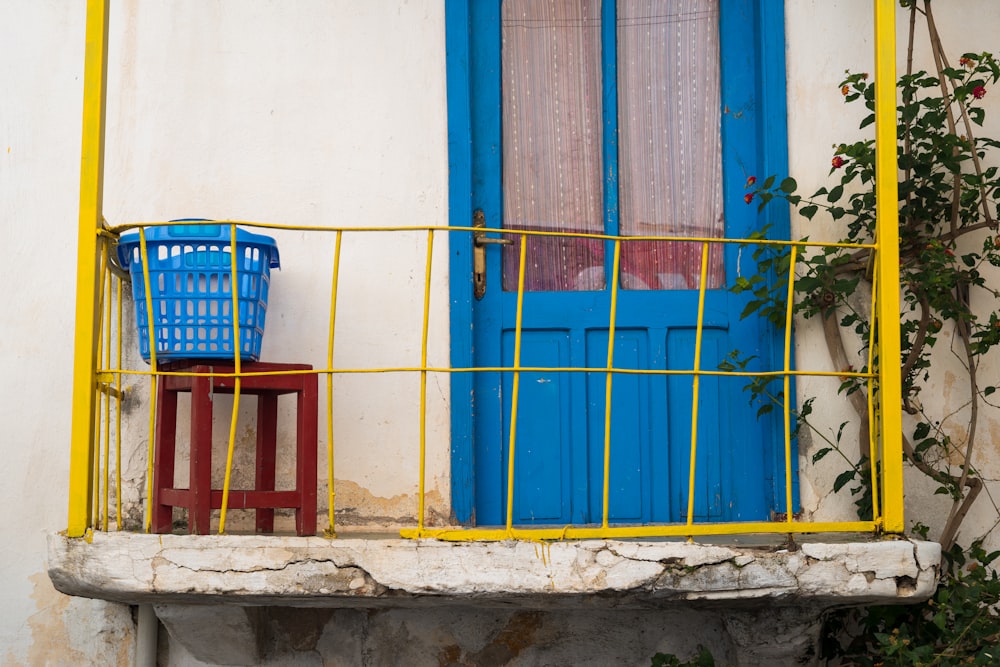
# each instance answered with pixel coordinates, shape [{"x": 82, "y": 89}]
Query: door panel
[
  {"x": 544, "y": 443},
  {"x": 559, "y": 439},
  {"x": 633, "y": 437}
]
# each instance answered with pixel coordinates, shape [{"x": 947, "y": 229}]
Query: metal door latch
[{"x": 479, "y": 243}]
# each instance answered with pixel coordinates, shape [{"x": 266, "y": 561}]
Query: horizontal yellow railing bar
[
  {"x": 509, "y": 232},
  {"x": 508, "y": 369},
  {"x": 578, "y": 532}
]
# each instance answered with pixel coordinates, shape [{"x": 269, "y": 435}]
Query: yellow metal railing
[{"x": 98, "y": 368}]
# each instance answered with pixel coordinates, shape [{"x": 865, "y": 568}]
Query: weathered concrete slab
[
  {"x": 216, "y": 592},
  {"x": 294, "y": 571}
]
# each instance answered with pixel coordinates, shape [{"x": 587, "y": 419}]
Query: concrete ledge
[{"x": 351, "y": 572}]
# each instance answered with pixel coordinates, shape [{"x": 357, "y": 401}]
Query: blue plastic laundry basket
[{"x": 189, "y": 277}]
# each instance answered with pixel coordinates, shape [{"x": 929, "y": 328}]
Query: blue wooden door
[{"x": 559, "y": 463}]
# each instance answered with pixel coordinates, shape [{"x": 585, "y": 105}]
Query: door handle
[{"x": 479, "y": 243}]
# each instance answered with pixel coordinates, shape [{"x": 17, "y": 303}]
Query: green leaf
[
  {"x": 821, "y": 453},
  {"x": 836, "y": 193},
  {"x": 808, "y": 211},
  {"x": 921, "y": 431},
  {"x": 751, "y": 308},
  {"x": 788, "y": 185},
  {"x": 843, "y": 478},
  {"x": 768, "y": 182}
]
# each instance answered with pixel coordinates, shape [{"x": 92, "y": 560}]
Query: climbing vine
[
  {"x": 949, "y": 252},
  {"x": 949, "y": 192}
]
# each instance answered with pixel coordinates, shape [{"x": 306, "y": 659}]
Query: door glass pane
[
  {"x": 670, "y": 158},
  {"x": 552, "y": 138}
]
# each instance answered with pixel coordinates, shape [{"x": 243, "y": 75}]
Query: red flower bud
[
  {"x": 949, "y": 252},
  {"x": 845, "y": 90},
  {"x": 965, "y": 62},
  {"x": 837, "y": 162},
  {"x": 750, "y": 181},
  {"x": 748, "y": 197},
  {"x": 979, "y": 92}
]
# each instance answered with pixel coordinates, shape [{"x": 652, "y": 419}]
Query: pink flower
[
  {"x": 979, "y": 92},
  {"x": 748, "y": 197},
  {"x": 837, "y": 162}
]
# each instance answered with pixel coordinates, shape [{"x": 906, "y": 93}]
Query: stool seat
[{"x": 200, "y": 498}]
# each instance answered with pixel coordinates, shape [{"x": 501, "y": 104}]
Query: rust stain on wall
[
  {"x": 505, "y": 646},
  {"x": 355, "y": 505}
]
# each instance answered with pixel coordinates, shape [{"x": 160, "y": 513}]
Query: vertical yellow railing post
[
  {"x": 424, "y": 337},
  {"x": 787, "y": 382},
  {"x": 695, "y": 381},
  {"x": 887, "y": 270},
  {"x": 515, "y": 382},
  {"x": 235, "y": 290},
  {"x": 107, "y": 395},
  {"x": 335, "y": 281},
  {"x": 90, "y": 220},
  {"x": 118, "y": 406},
  {"x": 608, "y": 379},
  {"x": 147, "y": 290}
]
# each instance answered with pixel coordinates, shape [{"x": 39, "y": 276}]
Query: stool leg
[
  {"x": 200, "y": 507},
  {"x": 267, "y": 439},
  {"x": 305, "y": 456},
  {"x": 164, "y": 444}
]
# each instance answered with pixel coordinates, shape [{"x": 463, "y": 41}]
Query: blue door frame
[{"x": 754, "y": 143}]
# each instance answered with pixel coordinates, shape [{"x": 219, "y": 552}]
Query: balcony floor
[
  {"x": 381, "y": 570},
  {"x": 769, "y": 596}
]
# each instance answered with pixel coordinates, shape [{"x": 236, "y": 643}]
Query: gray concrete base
[{"x": 770, "y": 600}]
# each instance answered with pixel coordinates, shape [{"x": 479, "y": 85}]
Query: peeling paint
[
  {"x": 74, "y": 631},
  {"x": 356, "y": 506}
]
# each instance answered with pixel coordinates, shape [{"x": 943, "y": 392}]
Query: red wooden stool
[{"x": 200, "y": 498}]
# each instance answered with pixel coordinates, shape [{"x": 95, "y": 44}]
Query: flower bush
[{"x": 949, "y": 207}]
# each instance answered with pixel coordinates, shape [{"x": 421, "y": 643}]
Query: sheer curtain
[
  {"x": 670, "y": 150},
  {"x": 668, "y": 136}
]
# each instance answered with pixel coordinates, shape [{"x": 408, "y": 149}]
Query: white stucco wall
[{"x": 313, "y": 113}]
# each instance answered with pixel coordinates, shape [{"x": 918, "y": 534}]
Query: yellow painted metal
[
  {"x": 234, "y": 290},
  {"x": 695, "y": 382},
  {"x": 80, "y": 488},
  {"x": 153, "y": 378},
  {"x": 106, "y": 360},
  {"x": 118, "y": 409},
  {"x": 625, "y": 532},
  {"x": 608, "y": 381},
  {"x": 335, "y": 281},
  {"x": 423, "y": 378},
  {"x": 887, "y": 271},
  {"x": 874, "y": 428},
  {"x": 446, "y": 228},
  {"x": 516, "y": 381},
  {"x": 89, "y": 388},
  {"x": 100, "y": 386},
  {"x": 525, "y": 369},
  {"x": 787, "y": 365}
]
